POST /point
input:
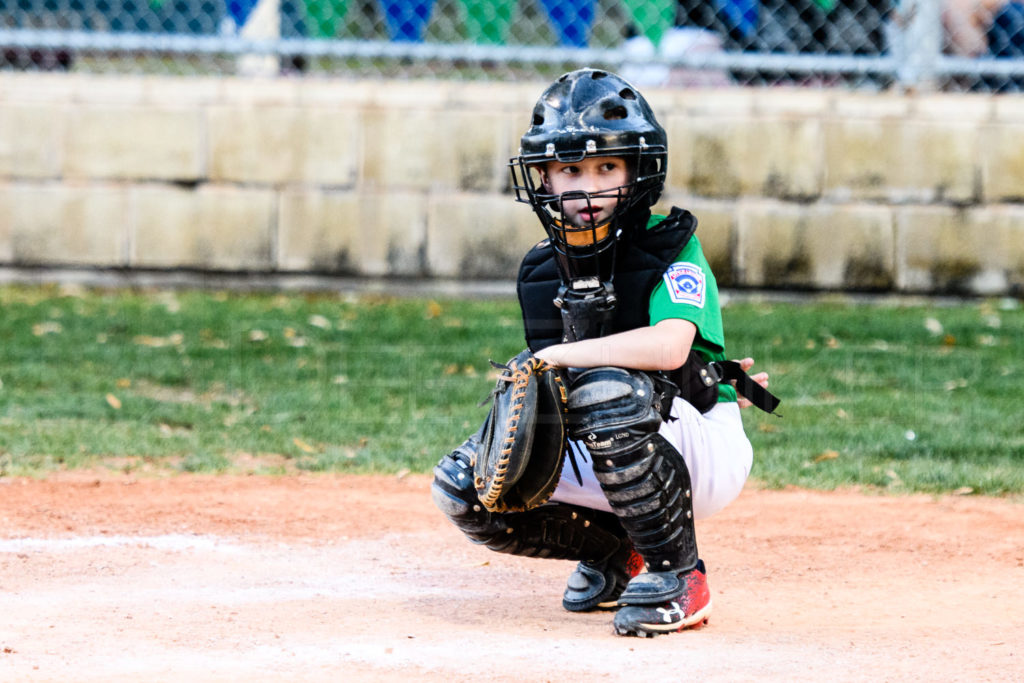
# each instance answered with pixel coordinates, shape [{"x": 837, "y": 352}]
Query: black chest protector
[{"x": 640, "y": 264}]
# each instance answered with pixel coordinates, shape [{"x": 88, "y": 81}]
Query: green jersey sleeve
[{"x": 688, "y": 291}]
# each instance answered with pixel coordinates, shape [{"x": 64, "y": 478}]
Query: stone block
[
  {"x": 711, "y": 103},
  {"x": 962, "y": 251},
  {"x": 31, "y": 140},
  {"x": 824, "y": 246},
  {"x": 481, "y": 149},
  {"x": 1002, "y": 162},
  {"x": 133, "y": 143},
  {"x": 862, "y": 157},
  {"x": 46, "y": 224},
  {"x": 258, "y": 92},
  {"x": 412, "y": 95},
  {"x": 215, "y": 227},
  {"x": 182, "y": 91},
  {"x": 283, "y": 145},
  {"x": 938, "y": 248},
  {"x": 326, "y": 143},
  {"x": 1009, "y": 223},
  {"x": 110, "y": 90},
  {"x": 34, "y": 87},
  {"x": 336, "y": 93},
  {"x": 353, "y": 233},
  {"x": 407, "y": 149},
  {"x": 492, "y": 96},
  {"x": 8, "y": 207},
  {"x": 853, "y": 105},
  {"x": 966, "y": 107},
  {"x": 706, "y": 155},
  {"x": 784, "y": 157},
  {"x": 939, "y": 162},
  {"x": 801, "y": 102},
  {"x": 1007, "y": 109},
  {"x": 479, "y": 236},
  {"x": 318, "y": 230},
  {"x": 249, "y": 144}
]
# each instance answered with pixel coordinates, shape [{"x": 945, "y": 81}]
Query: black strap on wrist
[{"x": 730, "y": 370}]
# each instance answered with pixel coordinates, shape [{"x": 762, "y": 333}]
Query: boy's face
[{"x": 593, "y": 175}]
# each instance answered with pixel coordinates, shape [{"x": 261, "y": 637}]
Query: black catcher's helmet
[{"x": 591, "y": 113}]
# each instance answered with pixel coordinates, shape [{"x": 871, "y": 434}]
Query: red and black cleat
[
  {"x": 597, "y": 585},
  {"x": 663, "y": 602}
]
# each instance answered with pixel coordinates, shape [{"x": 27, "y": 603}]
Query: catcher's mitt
[{"x": 523, "y": 444}]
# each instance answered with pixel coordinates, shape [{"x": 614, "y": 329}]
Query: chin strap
[{"x": 586, "y": 312}]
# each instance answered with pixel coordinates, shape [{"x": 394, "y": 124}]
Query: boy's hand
[{"x": 761, "y": 378}]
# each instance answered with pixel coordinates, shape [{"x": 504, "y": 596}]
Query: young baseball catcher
[{"x": 620, "y": 423}]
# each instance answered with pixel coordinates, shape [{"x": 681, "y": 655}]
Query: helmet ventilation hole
[
  {"x": 538, "y": 119},
  {"x": 598, "y": 74},
  {"x": 615, "y": 113},
  {"x": 627, "y": 94}
]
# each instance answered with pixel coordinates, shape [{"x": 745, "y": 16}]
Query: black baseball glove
[{"x": 523, "y": 443}]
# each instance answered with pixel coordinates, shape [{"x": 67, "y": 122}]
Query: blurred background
[
  {"x": 957, "y": 45},
  {"x": 836, "y": 145},
  {"x": 859, "y": 149}
]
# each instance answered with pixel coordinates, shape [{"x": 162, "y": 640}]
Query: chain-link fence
[{"x": 945, "y": 44}]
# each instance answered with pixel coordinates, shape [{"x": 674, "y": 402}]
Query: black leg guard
[
  {"x": 557, "y": 531},
  {"x": 617, "y": 414}
]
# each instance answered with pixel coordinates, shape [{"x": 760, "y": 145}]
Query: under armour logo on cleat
[{"x": 676, "y": 610}]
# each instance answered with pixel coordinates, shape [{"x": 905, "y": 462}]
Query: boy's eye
[{"x": 570, "y": 170}]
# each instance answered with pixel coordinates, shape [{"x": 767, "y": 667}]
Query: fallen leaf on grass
[
  {"x": 176, "y": 339},
  {"x": 402, "y": 473},
  {"x": 124, "y": 383},
  {"x": 114, "y": 402},
  {"x": 963, "y": 491},
  {"x": 827, "y": 455},
  {"x": 320, "y": 321},
  {"x": 433, "y": 309},
  {"x": 303, "y": 446},
  {"x": 49, "y": 327}
]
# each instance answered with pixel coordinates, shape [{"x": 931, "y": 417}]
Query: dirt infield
[{"x": 330, "y": 578}]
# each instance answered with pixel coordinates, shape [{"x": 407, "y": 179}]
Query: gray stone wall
[{"x": 803, "y": 189}]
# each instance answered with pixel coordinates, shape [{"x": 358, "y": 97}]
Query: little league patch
[{"x": 686, "y": 284}]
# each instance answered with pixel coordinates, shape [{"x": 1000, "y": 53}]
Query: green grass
[{"x": 898, "y": 398}]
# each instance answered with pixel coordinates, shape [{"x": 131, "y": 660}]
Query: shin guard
[
  {"x": 556, "y": 531},
  {"x": 617, "y": 413}
]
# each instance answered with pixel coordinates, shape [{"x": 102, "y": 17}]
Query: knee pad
[
  {"x": 612, "y": 409},
  {"x": 454, "y": 494}
]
